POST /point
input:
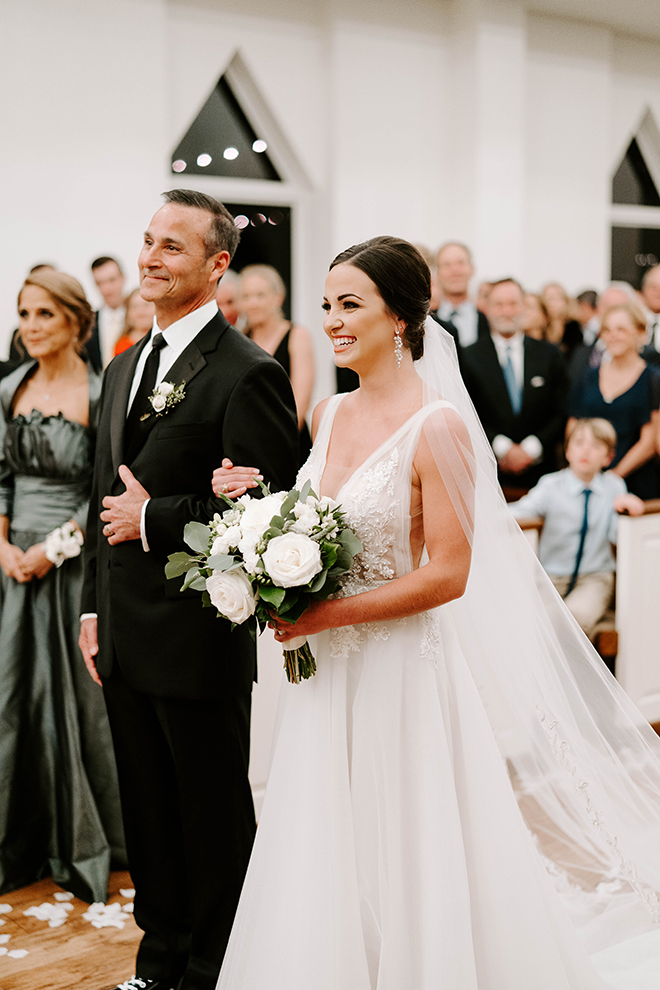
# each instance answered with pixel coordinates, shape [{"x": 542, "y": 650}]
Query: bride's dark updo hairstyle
[{"x": 402, "y": 278}]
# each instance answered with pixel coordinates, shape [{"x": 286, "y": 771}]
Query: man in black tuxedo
[
  {"x": 177, "y": 681},
  {"x": 109, "y": 319},
  {"x": 456, "y": 312},
  {"x": 518, "y": 387}
]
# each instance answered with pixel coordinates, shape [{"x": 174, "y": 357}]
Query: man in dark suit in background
[
  {"x": 177, "y": 681},
  {"x": 456, "y": 312},
  {"x": 518, "y": 387},
  {"x": 109, "y": 319}
]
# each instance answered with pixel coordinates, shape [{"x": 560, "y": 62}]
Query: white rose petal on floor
[
  {"x": 54, "y": 914},
  {"x": 128, "y": 907},
  {"x": 128, "y": 892},
  {"x": 4, "y": 951},
  {"x": 5, "y": 908},
  {"x": 63, "y": 895},
  {"x": 106, "y": 915},
  {"x": 18, "y": 953},
  {"x": 4, "y": 938}
]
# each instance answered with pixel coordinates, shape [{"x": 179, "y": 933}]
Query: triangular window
[
  {"x": 633, "y": 183},
  {"x": 221, "y": 141}
]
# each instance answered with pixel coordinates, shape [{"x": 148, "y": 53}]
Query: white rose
[
  {"x": 165, "y": 388},
  {"x": 259, "y": 512},
  {"x": 325, "y": 502},
  {"x": 70, "y": 546},
  {"x": 292, "y": 560},
  {"x": 224, "y": 541},
  {"x": 306, "y": 518},
  {"x": 158, "y": 402},
  {"x": 251, "y": 561},
  {"x": 231, "y": 593}
]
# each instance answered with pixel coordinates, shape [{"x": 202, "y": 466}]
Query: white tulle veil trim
[{"x": 584, "y": 762}]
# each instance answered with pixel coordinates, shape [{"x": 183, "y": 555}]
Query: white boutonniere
[{"x": 164, "y": 396}]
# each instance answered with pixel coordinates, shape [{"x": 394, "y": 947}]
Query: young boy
[{"x": 579, "y": 507}]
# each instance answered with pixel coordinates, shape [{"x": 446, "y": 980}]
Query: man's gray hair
[{"x": 222, "y": 234}]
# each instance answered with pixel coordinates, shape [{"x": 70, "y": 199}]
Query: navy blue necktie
[{"x": 583, "y": 533}]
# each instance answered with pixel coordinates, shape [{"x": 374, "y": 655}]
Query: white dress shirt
[
  {"x": 558, "y": 498},
  {"x": 465, "y": 318},
  {"x": 111, "y": 325},
  {"x": 515, "y": 345}
]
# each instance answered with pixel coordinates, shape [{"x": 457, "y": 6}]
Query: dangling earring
[{"x": 398, "y": 349}]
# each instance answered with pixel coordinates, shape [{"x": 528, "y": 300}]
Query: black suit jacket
[
  {"x": 483, "y": 327},
  {"x": 543, "y": 400},
  {"x": 92, "y": 349},
  {"x": 239, "y": 404}
]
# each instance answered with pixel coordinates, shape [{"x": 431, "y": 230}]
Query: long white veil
[{"x": 584, "y": 762}]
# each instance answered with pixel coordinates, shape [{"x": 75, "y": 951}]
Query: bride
[{"x": 462, "y": 786}]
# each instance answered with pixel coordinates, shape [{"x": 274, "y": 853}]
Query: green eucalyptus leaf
[
  {"x": 221, "y": 562},
  {"x": 206, "y": 600},
  {"x": 289, "y": 503},
  {"x": 350, "y": 542},
  {"x": 318, "y": 582},
  {"x": 274, "y": 596},
  {"x": 305, "y": 490},
  {"x": 178, "y": 563},
  {"x": 197, "y": 536}
]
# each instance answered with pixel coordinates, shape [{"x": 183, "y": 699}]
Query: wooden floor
[{"x": 75, "y": 955}]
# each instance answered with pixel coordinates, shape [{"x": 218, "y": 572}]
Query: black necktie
[
  {"x": 135, "y": 431},
  {"x": 583, "y": 533}
]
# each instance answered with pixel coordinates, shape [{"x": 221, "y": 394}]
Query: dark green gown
[{"x": 59, "y": 799}]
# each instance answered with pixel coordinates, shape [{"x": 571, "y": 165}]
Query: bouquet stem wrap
[{"x": 299, "y": 661}]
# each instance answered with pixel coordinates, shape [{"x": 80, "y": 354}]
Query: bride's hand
[
  {"x": 309, "y": 623},
  {"x": 234, "y": 481}
]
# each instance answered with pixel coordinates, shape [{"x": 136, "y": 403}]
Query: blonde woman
[
  {"x": 59, "y": 799},
  {"x": 261, "y": 295}
]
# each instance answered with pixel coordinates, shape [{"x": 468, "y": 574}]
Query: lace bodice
[{"x": 375, "y": 499}]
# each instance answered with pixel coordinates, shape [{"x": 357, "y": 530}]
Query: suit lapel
[
  {"x": 190, "y": 362},
  {"x": 531, "y": 368},
  {"x": 119, "y": 408},
  {"x": 496, "y": 375}
]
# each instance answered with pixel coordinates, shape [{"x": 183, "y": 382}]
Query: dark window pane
[
  {"x": 634, "y": 249},
  {"x": 265, "y": 240},
  {"x": 220, "y": 142},
  {"x": 632, "y": 183}
]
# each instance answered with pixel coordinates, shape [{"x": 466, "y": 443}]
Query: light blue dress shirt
[{"x": 558, "y": 498}]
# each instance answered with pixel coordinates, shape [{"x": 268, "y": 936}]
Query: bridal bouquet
[{"x": 266, "y": 557}]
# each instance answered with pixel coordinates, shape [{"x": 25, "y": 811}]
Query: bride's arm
[{"x": 439, "y": 581}]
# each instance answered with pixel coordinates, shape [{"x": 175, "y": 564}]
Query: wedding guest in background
[
  {"x": 109, "y": 319},
  {"x": 651, "y": 299},
  {"x": 518, "y": 386},
  {"x": 59, "y": 800},
  {"x": 563, "y": 330},
  {"x": 227, "y": 295},
  {"x": 138, "y": 321},
  {"x": 430, "y": 260},
  {"x": 536, "y": 319},
  {"x": 590, "y": 355},
  {"x": 624, "y": 390},
  {"x": 579, "y": 507},
  {"x": 587, "y": 308},
  {"x": 261, "y": 295},
  {"x": 456, "y": 312},
  {"x": 17, "y": 352},
  {"x": 482, "y": 296}
]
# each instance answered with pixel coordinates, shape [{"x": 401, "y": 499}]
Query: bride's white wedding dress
[{"x": 391, "y": 853}]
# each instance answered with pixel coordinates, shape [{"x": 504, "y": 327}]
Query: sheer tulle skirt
[{"x": 391, "y": 852}]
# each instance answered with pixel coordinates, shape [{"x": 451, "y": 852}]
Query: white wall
[{"x": 470, "y": 119}]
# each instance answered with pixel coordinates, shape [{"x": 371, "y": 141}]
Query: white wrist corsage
[
  {"x": 164, "y": 396},
  {"x": 64, "y": 542}
]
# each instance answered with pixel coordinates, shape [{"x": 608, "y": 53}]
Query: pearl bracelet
[{"x": 64, "y": 542}]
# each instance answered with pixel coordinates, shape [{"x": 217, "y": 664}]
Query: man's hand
[
  {"x": 516, "y": 460},
  {"x": 121, "y": 513},
  {"x": 89, "y": 647}
]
